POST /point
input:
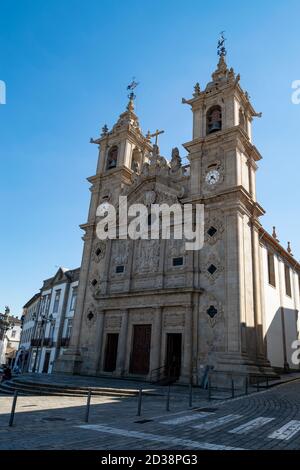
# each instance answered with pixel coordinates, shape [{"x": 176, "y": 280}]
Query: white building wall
[{"x": 281, "y": 322}]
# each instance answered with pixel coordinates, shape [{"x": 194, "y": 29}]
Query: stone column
[
  {"x": 97, "y": 353},
  {"x": 155, "y": 357},
  {"x": 256, "y": 293},
  {"x": 186, "y": 369},
  {"x": 121, "y": 355}
]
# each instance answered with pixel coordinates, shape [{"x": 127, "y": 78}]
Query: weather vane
[
  {"x": 131, "y": 87},
  {"x": 221, "y": 45}
]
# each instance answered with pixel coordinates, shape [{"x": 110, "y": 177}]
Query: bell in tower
[{"x": 214, "y": 119}]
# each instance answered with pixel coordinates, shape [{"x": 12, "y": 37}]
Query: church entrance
[
  {"x": 173, "y": 356},
  {"x": 140, "y": 355},
  {"x": 46, "y": 362},
  {"x": 111, "y": 350}
]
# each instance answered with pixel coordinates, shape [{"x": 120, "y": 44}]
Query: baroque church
[{"x": 149, "y": 308}]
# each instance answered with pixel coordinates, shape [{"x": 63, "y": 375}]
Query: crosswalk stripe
[
  {"x": 250, "y": 425},
  {"x": 287, "y": 431},
  {"x": 186, "y": 419},
  {"x": 169, "y": 440},
  {"x": 217, "y": 422}
]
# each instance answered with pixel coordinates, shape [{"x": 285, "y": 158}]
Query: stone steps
[{"x": 28, "y": 387}]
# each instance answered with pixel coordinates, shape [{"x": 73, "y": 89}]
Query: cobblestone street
[{"x": 268, "y": 419}]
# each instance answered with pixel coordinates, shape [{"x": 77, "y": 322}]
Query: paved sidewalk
[{"x": 265, "y": 420}]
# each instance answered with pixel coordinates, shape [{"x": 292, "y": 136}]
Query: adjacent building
[
  {"x": 29, "y": 321},
  {"x": 47, "y": 322}
]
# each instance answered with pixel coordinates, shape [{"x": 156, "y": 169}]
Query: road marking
[
  {"x": 287, "y": 431},
  {"x": 253, "y": 424},
  {"x": 170, "y": 440},
  {"x": 186, "y": 419},
  {"x": 217, "y": 422}
]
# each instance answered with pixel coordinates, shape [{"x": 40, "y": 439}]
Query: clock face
[{"x": 212, "y": 177}]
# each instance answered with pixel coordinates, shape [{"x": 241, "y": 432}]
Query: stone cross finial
[
  {"x": 104, "y": 130},
  {"x": 156, "y": 134}
]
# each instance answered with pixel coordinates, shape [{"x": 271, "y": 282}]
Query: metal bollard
[
  {"x": 13, "y": 409},
  {"x": 257, "y": 384},
  {"x": 190, "y": 395},
  {"x": 168, "y": 399},
  {"x": 232, "y": 388},
  {"x": 209, "y": 388},
  {"x": 140, "y": 402},
  {"x": 267, "y": 382},
  {"x": 88, "y": 403}
]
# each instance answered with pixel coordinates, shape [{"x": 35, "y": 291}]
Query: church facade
[{"x": 146, "y": 308}]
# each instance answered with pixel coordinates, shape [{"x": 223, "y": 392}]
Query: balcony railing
[
  {"x": 37, "y": 342},
  {"x": 64, "y": 342},
  {"x": 48, "y": 342}
]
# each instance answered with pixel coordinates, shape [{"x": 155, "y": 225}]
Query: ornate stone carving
[
  {"x": 175, "y": 163},
  {"x": 90, "y": 315},
  {"x": 147, "y": 256},
  {"x": 99, "y": 250},
  {"x": 214, "y": 228},
  {"x": 149, "y": 198},
  {"x": 120, "y": 251},
  {"x": 212, "y": 310},
  {"x": 212, "y": 268}
]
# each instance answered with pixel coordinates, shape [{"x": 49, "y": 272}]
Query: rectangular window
[
  {"x": 73, "y": 298},
  {"x": 178, "y": 261},
  {"x": 13, "y": 333},
  {"x": 51, "y": 330},
  {"x": 69, "y": 328},
  {"x": 56, "y": 301},
  {"x": 119, "y": 269},
  {"x": 288, "y": 288},
  {"x": 271, "y": 269}
]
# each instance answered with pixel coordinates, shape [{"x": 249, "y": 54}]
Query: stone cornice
[
  {"x": 224, "y": 137},
  {"x": 278, "y": 248}
]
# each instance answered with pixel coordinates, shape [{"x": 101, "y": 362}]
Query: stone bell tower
[
  {"x": 223, "y": 164},
  {"x": 122, "y": 152}
]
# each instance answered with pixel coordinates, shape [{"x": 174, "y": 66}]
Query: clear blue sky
[{"x": 66, "y": 65}]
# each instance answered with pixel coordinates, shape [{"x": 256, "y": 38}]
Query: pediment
[{"x": 154, "y": 191}]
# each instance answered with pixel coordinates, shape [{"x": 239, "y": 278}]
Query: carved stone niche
[
  {"x": 113, "y": 321},
  {"x": 173, "y": 319}
]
